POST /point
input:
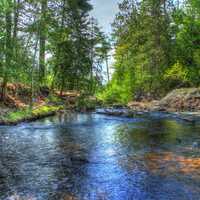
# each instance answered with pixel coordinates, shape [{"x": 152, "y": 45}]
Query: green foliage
[
  {"x": 57, "y": 44},
  {"x": 54, "y": 99},
  {"x": 18, "y": 115},
  {"x": 28, "y": 113},
  {"x": 115, "y": 93},
  {"x": 44, "y": 110},
  {"x": 177, "y": 76},
  {"x": 50, "y": 43},
  {"x": 85, "y": 103},
  {"x": 157, "y": 49},
  {"x": 177, "y": 73}
]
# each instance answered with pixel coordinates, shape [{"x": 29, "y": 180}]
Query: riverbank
[
  {"x": 16, "y": 108},
  {"x": 127, "y": 112},
  {"x": 181, "y": 103},
  {"x": 13, "y": 117}
]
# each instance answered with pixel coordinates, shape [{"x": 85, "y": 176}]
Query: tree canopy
[
  {"x": 50, "y": 43},
  {"x": 57, "y": 44},
  {"x": 157, "y": 48}
]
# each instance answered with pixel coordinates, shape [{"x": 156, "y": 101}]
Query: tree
[
  {"x": 42, "y": 39},
  {"x": 49, "y": 42},
  {"x": 74, "y": 42},
  {"x": 143, "y": 43},
  {"x": 8, "y": 47}
]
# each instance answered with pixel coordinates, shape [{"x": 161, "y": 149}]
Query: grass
[{"x": 28, "y": 113}]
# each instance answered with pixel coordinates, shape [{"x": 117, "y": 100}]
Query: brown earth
[{"x": 18, "y": 97}]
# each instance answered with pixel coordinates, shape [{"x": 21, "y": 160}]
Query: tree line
[
  {"x": 157, "y": 49},
  {"x": 51, "y": 43}
]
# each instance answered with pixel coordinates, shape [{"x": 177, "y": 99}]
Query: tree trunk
[
  {"x": 42, "y": 41},
  {"x": 107, "y": 67},
  {"x": 8, "y": 55},
  {"x": 58, "y": 67},
  {"x": 16, "y": 19}
]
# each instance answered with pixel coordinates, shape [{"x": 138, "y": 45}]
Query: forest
[
  {"x": 49, "y": 43},
  {"x": 157, "y": 49},
  {"x": 56, "y": 44}
]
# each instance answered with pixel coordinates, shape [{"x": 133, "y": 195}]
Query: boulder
[{"x": 185, "y": 99}]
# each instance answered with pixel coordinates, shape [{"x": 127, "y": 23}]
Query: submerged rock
[
  {"x": 196, "y": 145},
  {"x": 4, "y": 171},
  {"x": 79, "y": 159},
  {"x": 179, "y": 140},
  {"x": 69, "y": 197}
]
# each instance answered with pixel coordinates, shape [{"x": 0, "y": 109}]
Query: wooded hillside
[
  {"x": 157, "y": 49},
  {"x": 50, "y": 43}
]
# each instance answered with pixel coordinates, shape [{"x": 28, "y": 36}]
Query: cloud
[{"x": 105, "y": 11}]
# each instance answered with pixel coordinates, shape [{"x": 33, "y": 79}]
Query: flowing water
[{"x": 99, "y": 157}]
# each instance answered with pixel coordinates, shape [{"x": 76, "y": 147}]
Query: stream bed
[{"x": 100, "y": 157}]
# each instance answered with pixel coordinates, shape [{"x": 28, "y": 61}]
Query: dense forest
[
  {"x": 157, "y": 49},
  {"x": 50, "y": 43},
  {"x": 56, "y": 44}
]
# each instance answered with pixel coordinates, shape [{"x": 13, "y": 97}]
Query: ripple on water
[{"x": 92, "y": 156}]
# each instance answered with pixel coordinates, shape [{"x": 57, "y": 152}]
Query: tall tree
[
  {"x": 8, "y": 47},
  {"x": 42, "y": 39}
]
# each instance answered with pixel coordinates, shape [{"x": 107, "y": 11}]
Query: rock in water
[
  {"x": 79, "y": 159},
  {"x": 196, "y": 145},
  {"x": 179, "y": 140}
]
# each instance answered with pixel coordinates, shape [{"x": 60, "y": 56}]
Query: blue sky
[{"x": 105, "y": 11}]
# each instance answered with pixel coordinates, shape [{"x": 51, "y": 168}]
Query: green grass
[
  {"x": 17, "y": 115},
  {"x": 28, "y": 113}
]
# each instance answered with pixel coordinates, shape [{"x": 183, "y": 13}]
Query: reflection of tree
[
  {"x": 152, "y": 147},
  {"x": 154, "y": 134},
  {"x": 168, "y": 163}
]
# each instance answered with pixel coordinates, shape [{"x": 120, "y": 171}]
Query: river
[{"x": 99, "y": 157}]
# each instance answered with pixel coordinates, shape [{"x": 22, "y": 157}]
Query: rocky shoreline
[
  {"x": 130, "y": 113},
  {"x": 181, "y": 103}
]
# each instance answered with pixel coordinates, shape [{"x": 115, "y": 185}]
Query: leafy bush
[{"x": 115, "y": 93}]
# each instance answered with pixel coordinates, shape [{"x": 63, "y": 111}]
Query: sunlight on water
[{"x": 91, "y": 156}]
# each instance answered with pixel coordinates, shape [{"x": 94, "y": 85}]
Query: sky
[{"x": 104, "y": 11}]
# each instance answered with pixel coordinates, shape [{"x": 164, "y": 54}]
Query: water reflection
[{"x": 91, "y": 156}]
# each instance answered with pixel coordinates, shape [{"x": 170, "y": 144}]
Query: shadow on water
[{"x": 91, "y": 156}]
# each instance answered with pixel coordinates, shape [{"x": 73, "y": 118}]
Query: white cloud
[{"x": 105, "y": 11}]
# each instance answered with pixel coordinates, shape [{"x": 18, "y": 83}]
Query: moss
[
  {"x": 17, "y": 115},
  {"x": 29, "y": 114},
  {"x": 45, "y": 109}
]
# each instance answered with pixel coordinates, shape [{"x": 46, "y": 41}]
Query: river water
[{"x": 99, "y": 157}]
